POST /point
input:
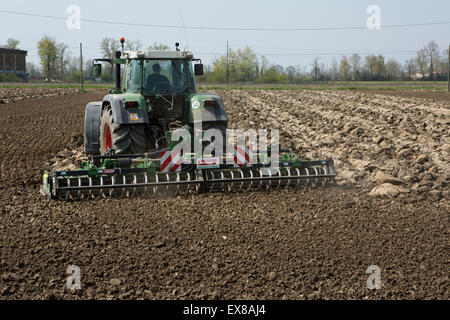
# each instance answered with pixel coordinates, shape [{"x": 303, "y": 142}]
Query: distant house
[
  {"x": 13, "y": 61},
  {"x": 417, "y": 76}
]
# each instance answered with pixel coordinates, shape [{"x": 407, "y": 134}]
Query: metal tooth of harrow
[
  {"x": 223, "y": 180},
  {"x": 131, "y": 187},
  {"x": 266, "y": 179}
]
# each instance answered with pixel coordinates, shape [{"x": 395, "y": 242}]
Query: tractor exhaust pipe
[{"x": 117, "y": 67}]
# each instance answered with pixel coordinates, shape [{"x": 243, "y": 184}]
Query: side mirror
[
  {"x": 97, "y": 70},
  {"x": 198, "y": 69}
]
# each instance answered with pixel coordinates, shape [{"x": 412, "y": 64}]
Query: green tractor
[
  {"x": 156, "y": 96},
  {"x": 134, "y": 146}
]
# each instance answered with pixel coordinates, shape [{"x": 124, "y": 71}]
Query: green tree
[
  {"x": 380, "y": 68},
  {"x": 48, "y": 53},
  {"x": 344, "y": 69},
  {"x": 220, "y": 67},
  {"x": 273, "y": 75},
  {"x": 243, "y": 66},
  {"x": 246, "y": 65},
  {"x": 11, "y": 43},
  {"x": 375, "y": 66}
]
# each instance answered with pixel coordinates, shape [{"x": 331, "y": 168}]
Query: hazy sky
[{"x": 282, "y": 47}]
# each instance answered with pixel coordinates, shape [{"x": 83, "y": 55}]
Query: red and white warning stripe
[
  {"x": 170, "y": 161},
  {"x": 243, "y": 157}
]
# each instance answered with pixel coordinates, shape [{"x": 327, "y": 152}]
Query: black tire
[{"x": 125, "y": 138}]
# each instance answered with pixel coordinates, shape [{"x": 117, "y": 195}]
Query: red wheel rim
[{"x": 108, "y": 141}]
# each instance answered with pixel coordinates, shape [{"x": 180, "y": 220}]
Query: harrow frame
[{"x": 139, "y": 175}]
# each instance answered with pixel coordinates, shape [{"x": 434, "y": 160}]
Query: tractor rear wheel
[{"x": 122, "y": 138}]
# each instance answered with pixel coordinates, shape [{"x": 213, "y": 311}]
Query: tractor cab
[{"x": 160, "y": 72}]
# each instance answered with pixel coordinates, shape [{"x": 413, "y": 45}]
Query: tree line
[
  {"x": 56, "y": 62},
  {"x": 243, "y": 65},
  {"x": 429, "y": 63}
]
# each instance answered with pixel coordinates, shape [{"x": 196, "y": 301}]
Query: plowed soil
[
  {"x": 304, "y": 244},
  {"x": 8, "y": 95}
]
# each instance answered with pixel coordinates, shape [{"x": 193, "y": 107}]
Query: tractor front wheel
[{"x": 122, "y": 138}]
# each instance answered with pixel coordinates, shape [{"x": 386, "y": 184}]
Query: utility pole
[
  {"x": 228, "y": 73},
  {"x": 448, "y": 71},
  {"x": 81, "y": 66}
]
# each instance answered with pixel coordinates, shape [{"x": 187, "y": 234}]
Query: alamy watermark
[
  {"x": 73, "y": 22},
  {"x": 74, "y": 280},
  {"x": 214, "y": 142},
  {"x": 374, "y": 19},
  {"x": 374, "y": 280}
]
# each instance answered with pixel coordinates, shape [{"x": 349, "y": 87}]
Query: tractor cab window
[{"x": 161, "y": 76}]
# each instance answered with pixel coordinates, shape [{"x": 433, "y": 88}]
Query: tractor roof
[{"x": 158, "y": 54}]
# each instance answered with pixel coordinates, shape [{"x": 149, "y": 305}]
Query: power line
[
  {"x": 226, "y": 28},
  {"x": 313, "y": 54},
  {"x": 321, "y": 51}
]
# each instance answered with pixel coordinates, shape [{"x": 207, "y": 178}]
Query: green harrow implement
[{"x": 141, "y": 175}]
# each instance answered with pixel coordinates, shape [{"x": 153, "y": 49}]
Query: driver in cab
[{"x": 157, "y": 81}]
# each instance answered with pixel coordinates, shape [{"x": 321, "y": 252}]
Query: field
[{"x": 390, "y": 207}]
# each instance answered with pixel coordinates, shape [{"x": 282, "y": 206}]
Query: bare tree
[
  {"x": 159, "y": 47},
  {"x": 291, "y": 74},
  {"x": 393, "y": 70},
  {"x": 410, "y": 67},
  {"x": 88, "y": 68},
  {"x": 444, "y": 63},
  {"x": 131, "y": 45},
  {"x": 11, "y": 43},
  {"x": 371, "y": 65},
  {"x": 334, "y": 70},
  {"x": 432, "y": 52},
  {"x": 315, "y": 68},
  {"x": 422, "y": 61},
  {"x": 265, "y": 65},
  {"x": 62, "y": 62},
  {"x": 355, "y": 61},
  {"x": 108, "y": 47},
  {"x": 33, "y": 70}
]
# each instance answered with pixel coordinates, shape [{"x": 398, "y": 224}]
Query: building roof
[{"x": 13, "y": 50}]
